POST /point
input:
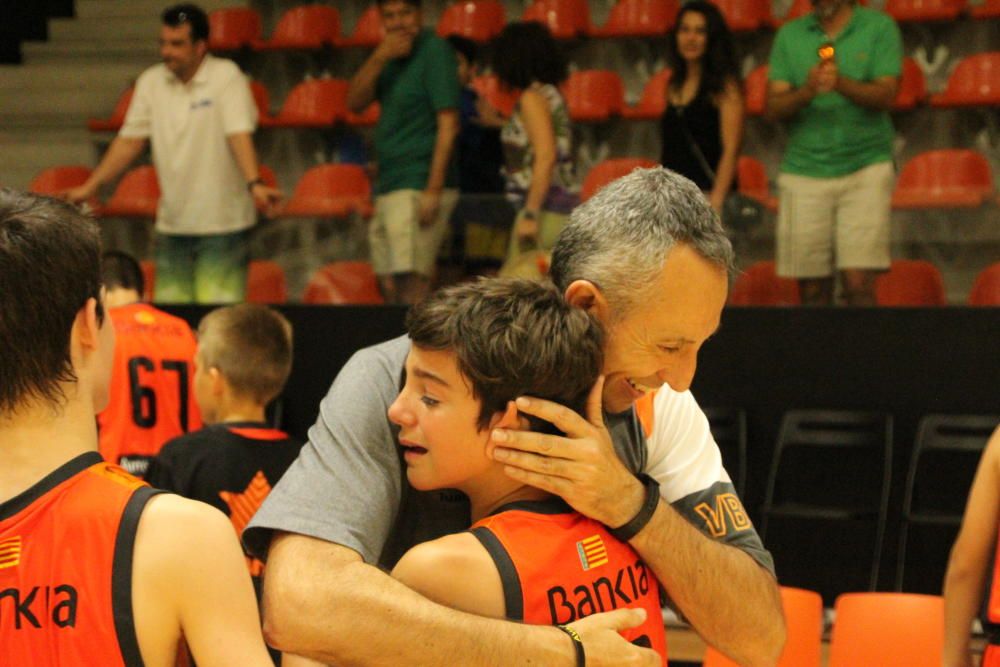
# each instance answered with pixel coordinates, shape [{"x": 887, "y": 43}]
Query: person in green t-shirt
[
  {"x": 413, "y": 74},
  {"x": 833, "y": 76}
]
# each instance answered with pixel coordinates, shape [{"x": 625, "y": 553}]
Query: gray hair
[{"x": 619, "y": 238}]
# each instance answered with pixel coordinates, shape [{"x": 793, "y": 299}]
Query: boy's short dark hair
[
  {"x": 513, "y": 337},
  {"x": 188, "y": 13},
  {"x": 466, "y": 47},
  {"x": 121, "y": 270},
  {"x": 50, "y": 264},
  {"x": 251, "y": 345}
]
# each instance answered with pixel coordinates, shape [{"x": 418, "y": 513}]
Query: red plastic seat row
[
  {"x": 948, "y": 178},
  {"x": 609, "y": 170},
  {"x": 319, "y": 103},
  {"x": 266, "y": 282},
  {"x": 344, "y": 283},
  {"x": 331, "y": 191}
]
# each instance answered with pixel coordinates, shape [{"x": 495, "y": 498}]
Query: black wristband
[
  {"x": 629, "y": 530},
  {"x": 256, "y": 181},
  {"x": 581, "y": 656}
]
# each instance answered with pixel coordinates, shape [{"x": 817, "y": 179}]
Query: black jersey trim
[
  {"x": 74, "y": 466},
  {"x": 513, "y": 597},
  {"x": 553, "y": 505},
  {"x": 121, "y": 576}
]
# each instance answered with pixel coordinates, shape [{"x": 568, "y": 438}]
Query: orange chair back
[
  {"x": 653, "y": 102},
  {"x": 760, "y": 285},
  {"x": 261, "y": 100},
  {"x": 313, "y": 103},
  {"x": 54, "y": 180},
  {"x": 975, "y": 82},
  {"x": 489, "y": 88},
  {"x": 266, "y": 282},
  {"x": 804, "y": 623},
  {"x": 986, "y": 289},
  {"x": 910, "y": 283},
  {"x": 305, "y": 27},
  {"x": 755, "y": 91},
  {"x": 594, "y": 95},
  {"x": 232, "y": 28},
  {"x": 478, "y": 20},
  {"x": 888, "y": 630},
  {"x": 343, "y": 283},
  {"x": 564, "y": 18},
  {"x": 367, "y": 31},
  {"x": 924, "y": 10},
  {"x": 369, "y": 116},
  {"x": 744, "y": 15},
  {"x": 137, "y": 194},
  {"x": 639, "y": 18},
  {"x": 985, "y": 9},
  {"x": 604, "y": 172},
  {"x": 912, "y": 86},
  {"x": 753, "y": 181},
  {"x": 117, "y": 117},
  {"x": 331, "y": 190},
  {"x": 950, "y": 177}
]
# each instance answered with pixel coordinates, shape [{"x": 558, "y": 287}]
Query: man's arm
[
  {"x": 784, "y": 100},
  {"x": 322, "y": 602},
  {"x": 241, "y": 144},
  {"x": 878, "y": 94},
  {"x": 361, "y": 91},
  {"x": 122, "y": 152},
  {"x": 444, "y": 142},
  {"x": 179, "y": 593},
  {"x": 731, "y": 130},
  {"x": 970, "y": 558},
  {"x": 730, "y": 600}
]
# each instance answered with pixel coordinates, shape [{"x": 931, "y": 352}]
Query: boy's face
[{"x": 437, "y": 416}]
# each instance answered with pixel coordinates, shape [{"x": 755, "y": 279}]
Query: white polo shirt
[{"x": 202, "y": 189}]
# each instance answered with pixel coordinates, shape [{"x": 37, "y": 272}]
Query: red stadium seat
[
  {"x": 266, "y": 282},
  {"x": 55, "y": 180},
  {"x": 313, "y": 103},
  {"x": 755, "y": 91},
  {"x": 804, "y": 620},
  {"x": 262, "y": 100},
  {"x": 912, "y": 86},
  {"x": 594, "y": 95},
  {"x": 949, "y": 178},
  {"x": 232, "y": 28},
  {"x": 137, "y": 195},
  {"x": 478, "y": 20},
  {"x": 924, "y": 10},
  {"x": 502, "y": 99},
  {"x": 760, "y": 285},
  {"x": 910, "y": 282},
  {"x": 367, "y": 32},
  {"x": 113, "y": 123},
  {"x": 639, "y": 18},
  {"x": 986, "y": 9},
  {"x": 609, "y": 170},
  {"x": 744, "y": 15},
  {"x": 975, "y": 82},
  {"x": 986, "y": 289},
  {"x": 653, "y": 102},
  {"x": 888, "y": 630},
  {"x": 564, "y": 18},
  {"x": 304, "y": 27},
  {"x": 331, "y": 191},
  {"x": 369, "y": 116},
  {"x": 752, "y": 177},
  {"x": 343, "y": 283}
]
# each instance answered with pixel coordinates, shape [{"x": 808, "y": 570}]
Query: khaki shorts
[
  {"x": 397, "y": 242},
  {"x": 840, "y": 222}
]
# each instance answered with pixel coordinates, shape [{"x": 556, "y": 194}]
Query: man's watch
[
  {"x": 529, "y": 214},
  {"x": 256, "y": 181}
]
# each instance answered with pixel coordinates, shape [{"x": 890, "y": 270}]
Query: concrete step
[
  {"x": 139, "y": 8},
  {"x": 107, "y": 29},
  {"x": 26, "y": 151},
  {"x": 49, "y": 76},
  {"x": 143, "y": 50},
  {"x": 82, "y": 100}
]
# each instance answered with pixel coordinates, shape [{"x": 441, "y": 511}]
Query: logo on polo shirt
[
  {"x": 592, "y": 552},
  {"x": 10, "y": 552},
  {"x": 201, "y": 104}
]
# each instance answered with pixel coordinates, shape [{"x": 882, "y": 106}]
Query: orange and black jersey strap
[{"x": 121, "y": 576}]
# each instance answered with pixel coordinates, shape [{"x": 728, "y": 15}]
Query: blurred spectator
[
  {"x": 413, "y": 73},
  {"x": 702, "y": 128},
  {"x": 199, "y": 115},
  {"x": 833, "y": 75},
  {"x": 537, "y": 139},
  {"x": 152, "y": 398}
]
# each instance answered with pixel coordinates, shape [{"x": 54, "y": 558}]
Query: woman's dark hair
[
  {"x": 525, "y": 52},
  {"x": 719, "y": 64}
]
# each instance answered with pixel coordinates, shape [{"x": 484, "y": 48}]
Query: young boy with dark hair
[{"x": 528, "y": 556}]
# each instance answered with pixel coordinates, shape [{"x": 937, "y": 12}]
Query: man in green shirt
[
  {"x": 413, "y": 73},
  {"x": 834, "y": 75}
]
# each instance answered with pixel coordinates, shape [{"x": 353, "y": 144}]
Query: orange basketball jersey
[
  {"x": 66, "y": 567},
  {"x": 152, "y": 398},
  {"x": 558, "y": 566}
]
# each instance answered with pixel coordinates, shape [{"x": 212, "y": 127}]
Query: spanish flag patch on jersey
[
  {"x": 10, "y": 552},
  {"x": 592, "y": 552}
]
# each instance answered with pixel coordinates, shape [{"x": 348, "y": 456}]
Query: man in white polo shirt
[{"x": 198, "y": 113}]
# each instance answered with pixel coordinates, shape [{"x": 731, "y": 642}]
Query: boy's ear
[
  {"x": 510, "y": 419},
  {"x": 218, "y": 381}
]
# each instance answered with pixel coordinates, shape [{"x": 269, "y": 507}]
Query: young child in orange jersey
[
  {"x": 96, "y": 568},
  {"x": 528, "y": 556}
]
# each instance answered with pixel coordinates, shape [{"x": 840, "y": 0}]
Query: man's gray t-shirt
[{"x": 349, "y": 486}]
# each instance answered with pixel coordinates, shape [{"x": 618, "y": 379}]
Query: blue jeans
[{"x": 202, "y": 269}]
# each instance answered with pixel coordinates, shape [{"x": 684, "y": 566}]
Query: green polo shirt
[
  {"x": 832, "y": 136},
  {"x": 412, "y": 90}
]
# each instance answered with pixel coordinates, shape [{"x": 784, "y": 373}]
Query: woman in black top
[{"x": 705, "y": 102}]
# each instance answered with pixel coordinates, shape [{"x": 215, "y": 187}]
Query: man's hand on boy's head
[{"x": 582, "y": 467}]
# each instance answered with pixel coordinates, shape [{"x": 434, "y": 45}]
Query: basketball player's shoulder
[{"x": 175, "y": 532}]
